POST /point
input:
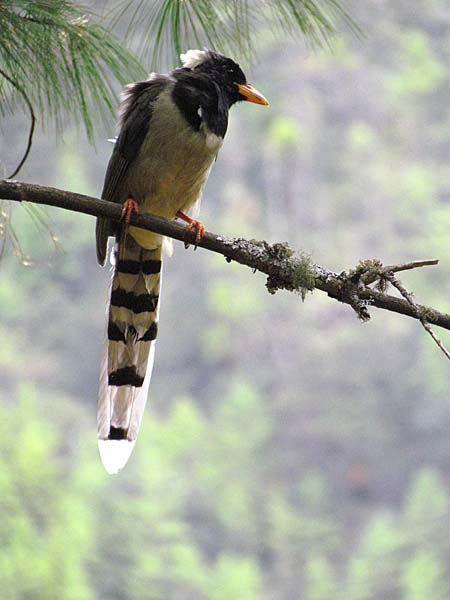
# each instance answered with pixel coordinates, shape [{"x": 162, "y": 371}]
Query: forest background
[{"x": 288, "y": 451}]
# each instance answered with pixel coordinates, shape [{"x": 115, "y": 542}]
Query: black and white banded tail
[{"x": 129, "y": 349}]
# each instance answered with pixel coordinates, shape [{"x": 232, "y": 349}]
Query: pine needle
[
  {"x": 169, "y": 26},
  {"x": 69, "y": 62}
]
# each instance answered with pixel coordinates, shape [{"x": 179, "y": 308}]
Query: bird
[{"x": 170, "y": 130}]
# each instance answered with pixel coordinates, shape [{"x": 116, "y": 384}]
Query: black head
[{"x": 224, "y": 72}]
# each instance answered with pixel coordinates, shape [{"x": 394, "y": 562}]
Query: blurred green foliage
[
  {"x": 196, "y": 517},
  {"x": 288, "y": 451}
]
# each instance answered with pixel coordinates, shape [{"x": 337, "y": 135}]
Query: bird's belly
[
  {"x": 171, "y": 170},
  {"x": 177, "y": 191},
  {"x": 179, "y": 188}
]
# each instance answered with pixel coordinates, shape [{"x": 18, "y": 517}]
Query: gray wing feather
[{"x": 135, "y": 115}]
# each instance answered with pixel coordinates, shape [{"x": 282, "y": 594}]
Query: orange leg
[
  {"x": 193, "y": 224},
  {"x": 130, "y": 206}
]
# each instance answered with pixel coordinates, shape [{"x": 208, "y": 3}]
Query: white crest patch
[{"x": 193, "y": 58}]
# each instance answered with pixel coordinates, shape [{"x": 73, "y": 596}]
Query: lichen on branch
[{"x": 285, "y": 268}]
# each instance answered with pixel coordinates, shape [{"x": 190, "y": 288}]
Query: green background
[{"x": 288, "y": 451}]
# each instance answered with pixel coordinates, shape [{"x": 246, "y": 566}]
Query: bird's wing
[{"x": 135, "y": 115}]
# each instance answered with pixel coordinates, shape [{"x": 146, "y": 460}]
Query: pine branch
[
  {"x": 167, "y": 27},
  {"x": 22, "y": 92},
  {"x": 67, "y": 59},
  {"x": 284, "y": 268}
]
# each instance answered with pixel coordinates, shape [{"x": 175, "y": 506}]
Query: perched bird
[{"x": 171, "y": 128}]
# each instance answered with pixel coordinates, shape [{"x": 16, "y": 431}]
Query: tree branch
[
  {"x": 285, "y": 268},
  {"x": 21, "y": 91},
  {"x": 372, "y": 277},
  {"x": 410, "y": 298}
]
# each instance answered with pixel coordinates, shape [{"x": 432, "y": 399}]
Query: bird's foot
[
  {"x": 193, "y": 224},
  {"x": 130, "y": 206}
]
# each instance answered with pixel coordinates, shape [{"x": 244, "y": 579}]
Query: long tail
[{"x": 129, "y": 350}]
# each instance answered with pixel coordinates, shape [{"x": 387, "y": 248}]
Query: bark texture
[{"x": 361, "y": 288}]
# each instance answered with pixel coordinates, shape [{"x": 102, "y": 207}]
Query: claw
[
  {"x": 130, "y": 206},
  {"x": 200, "y": 229},
  {"x": 193, "y": 224}
]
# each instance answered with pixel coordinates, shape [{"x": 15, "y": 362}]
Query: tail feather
[
  {"x": 103, "y": 229},
  {"x": 129, "y": 350},
  {"x": 115, "y": 454}
]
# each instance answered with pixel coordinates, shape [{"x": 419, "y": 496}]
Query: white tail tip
[{"x": 115, "y": 454}]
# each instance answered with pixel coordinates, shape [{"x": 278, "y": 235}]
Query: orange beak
[{"x": 252, "y": 95}]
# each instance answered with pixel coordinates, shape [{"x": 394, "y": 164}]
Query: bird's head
[{"x": 224, "y": 72}]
